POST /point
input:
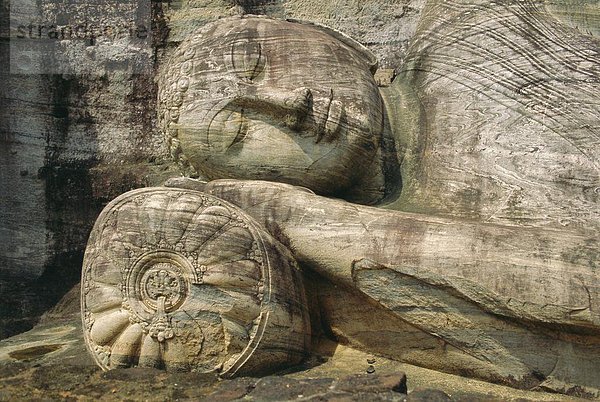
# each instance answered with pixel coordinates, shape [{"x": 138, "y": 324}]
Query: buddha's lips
[
  {"x": 326, "y": 121},
  {"x": 329, "y": 129}
]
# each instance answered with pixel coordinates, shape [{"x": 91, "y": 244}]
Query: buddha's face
[{"x": 255, "y": 98}]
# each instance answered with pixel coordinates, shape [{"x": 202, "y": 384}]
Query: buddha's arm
[
  {"x": 529, "y": 274},
  {"x": 498, "y": 299}
]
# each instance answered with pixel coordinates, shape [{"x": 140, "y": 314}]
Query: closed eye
[
  {"x": 226, "y": 125},
  {"x": 246, "y": 59}
]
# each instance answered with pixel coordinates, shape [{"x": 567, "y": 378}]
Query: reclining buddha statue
[{"x": 454, "y": 209}]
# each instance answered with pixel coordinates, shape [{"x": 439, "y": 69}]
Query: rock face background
[{"x": 69, "y": 143}]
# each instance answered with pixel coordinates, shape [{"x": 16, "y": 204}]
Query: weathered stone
[
  {"x": 69, "y": 374},
  {"x": 284, "y": 389},
  {"x": 492, "y": 123},
  {"x": 228, "y": 111},
  {"x": 234, "y": 389},
  {"x": 428, "y": 395},
  {"x": 59, "y": 128},
  {"x": 384, "y": 76},
  {"x": 373, "y": 383}
]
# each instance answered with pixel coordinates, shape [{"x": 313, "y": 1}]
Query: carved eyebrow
[
  {"x": 276, "y": 101},
  {"x": 245, "y": 59}
]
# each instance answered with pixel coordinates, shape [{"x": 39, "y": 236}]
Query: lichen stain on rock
[{"x": 34, "y": 352}]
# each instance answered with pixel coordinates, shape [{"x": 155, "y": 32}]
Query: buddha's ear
[{"x": 369, "y": 58}]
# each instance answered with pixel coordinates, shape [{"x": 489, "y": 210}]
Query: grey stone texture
[{"x": 494, "y": 221}]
